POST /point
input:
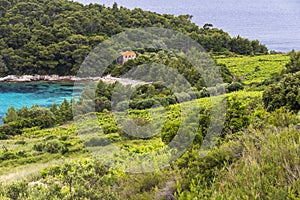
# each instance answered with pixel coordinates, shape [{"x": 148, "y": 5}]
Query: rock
[
  {"x": 50, "y": 78},
  {"x": 56, "y": 78}
]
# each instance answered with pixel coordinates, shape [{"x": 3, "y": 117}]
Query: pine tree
[{"x": 11, "y": 115}]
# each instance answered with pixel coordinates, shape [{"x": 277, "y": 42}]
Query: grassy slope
[
  {"x": 27, "y": 162},
  {"x": 254, "y": 69},
  {"x": 23, "y": 156},
  {"x": 23, "y": 160}
]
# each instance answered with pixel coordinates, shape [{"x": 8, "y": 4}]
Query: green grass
[
  {"x": 25, "y": 157},
  {"x": 19, "y": 158},
  {"x": 269, "y": 168},
  {"x": 222, "y": 174},
  {"x": 254, "y": 69}
]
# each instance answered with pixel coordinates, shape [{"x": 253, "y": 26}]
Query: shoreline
[
  {"x": 48, "y": 78},
  {"x": 56, "y": 78}
]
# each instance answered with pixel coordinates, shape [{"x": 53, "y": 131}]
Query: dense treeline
[
  {"x": 285, "y": 88},
  {"x": 164, "y": 91},
  {"x": 115, "y": 96},
  {"x": 17, "y": 120},
  {"x": 54, "y": 36},
  {"x": 140, "y": 69}
]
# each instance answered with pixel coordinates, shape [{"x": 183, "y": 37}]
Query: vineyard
[{"x": 254, "y": 69}]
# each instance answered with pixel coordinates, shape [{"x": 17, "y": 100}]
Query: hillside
[
  {"x": 54, "y": 36},
  {"x": 57, "y": 164},
  {"x": 255, "y": 69},
  {"x": 255, "y": 156},
  {"x": 238, "y": 139}
]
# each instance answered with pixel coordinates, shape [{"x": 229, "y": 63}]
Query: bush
[
  {"x": 20, "y": 142},
  {"x": 17, "y": 190},
  {"x": 268, "y": 169},
  {"x": 235, "y": 86},
  {"x": 52, "y": 146},
  {"x": 3, "y": 136},
  {"x": 94, "y": 142},
  {"x": 286, "y": 93},
  {"x": 237, "y": 116},
  {"x": 8, "y": 155}
]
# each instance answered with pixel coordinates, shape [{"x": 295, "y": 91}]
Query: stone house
[{"x": 123, "y": 57}]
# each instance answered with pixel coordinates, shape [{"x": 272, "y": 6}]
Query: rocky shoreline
[
  {"x": 48, "y": 78},
  {"x": 56, "y": 78}
]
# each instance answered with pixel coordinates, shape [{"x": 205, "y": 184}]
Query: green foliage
[
  {"x": 11, "y": 115},
  {"x": 8, "y": 155},
  {"x": 16, "y": 190},
  {"x": 177, "y": 63},
  {"x": 17, "y": 121},
  {"x": 260, "y": 164},
  {"x": 267, "y": 170},
  {"x": 54, "y": 37},
  {"x": 256, "y": 158},
  {"x": 50, "y": 146},
  {"x": 254, "y": 69},
  {"x": 94, "y": 142},
  {"x": 200, "y": 173},
  {"x": 282, "y": 118},
  {"x": 249, "y": 145},
  {"x": 245, "y": 47},
  {"x": 294, "y": 64},
  {"x": 74, "y": 180},
  {"x": 285, "y": 93},
  {"x": 235, "y": 86},
  {"x": 237, "y": 115}
]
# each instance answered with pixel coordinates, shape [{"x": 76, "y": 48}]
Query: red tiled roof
[{"x": 128, "y": 53}]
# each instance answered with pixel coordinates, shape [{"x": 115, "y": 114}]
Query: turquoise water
[
  {"x": 28, "y": 94},
  {"x": 274, "y": 22}
]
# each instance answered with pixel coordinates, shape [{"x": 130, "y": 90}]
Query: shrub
[
  {"x": 235, "y": 86},
  {"x": 17, "y": 190},
  {"x": 8, "y": 155},
  {"x": 52, "y": 146},
  {"x": 94, "y": 142},
  {"x": 286, "y": 93},
  {"x": 20, "y": 142}
]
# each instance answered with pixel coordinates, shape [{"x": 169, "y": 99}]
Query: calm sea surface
[
  {"x": 28, "y": 94},
  {"x": 274, "y": 22}
]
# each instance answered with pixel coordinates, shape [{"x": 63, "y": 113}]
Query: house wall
[{"x": 122, "y": 59}]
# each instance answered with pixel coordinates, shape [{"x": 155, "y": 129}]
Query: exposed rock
[
  {"x": 56, "y": 78},
  {"x": 50, "y": 78}
]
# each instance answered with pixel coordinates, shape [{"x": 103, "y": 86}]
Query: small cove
[{"x": 30, "y": 93}]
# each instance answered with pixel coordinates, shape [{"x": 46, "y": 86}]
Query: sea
[
  {"x": 42, "y": 93},
  {"x": 274, "y": 22}
]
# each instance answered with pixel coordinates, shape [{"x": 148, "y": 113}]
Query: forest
[
  {"x": 54, "y": 36},
  {"x": 70, "y": 151}
]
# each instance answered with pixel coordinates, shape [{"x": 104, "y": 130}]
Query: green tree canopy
[{"x": 54, "y": 36}]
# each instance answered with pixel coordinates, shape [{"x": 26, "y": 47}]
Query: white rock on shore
[
  {"x": 56, "y": 78},
  {"x": 51, "y": 78}
]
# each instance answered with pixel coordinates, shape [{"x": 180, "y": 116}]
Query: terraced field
[{"x": 254, "y": 69}]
